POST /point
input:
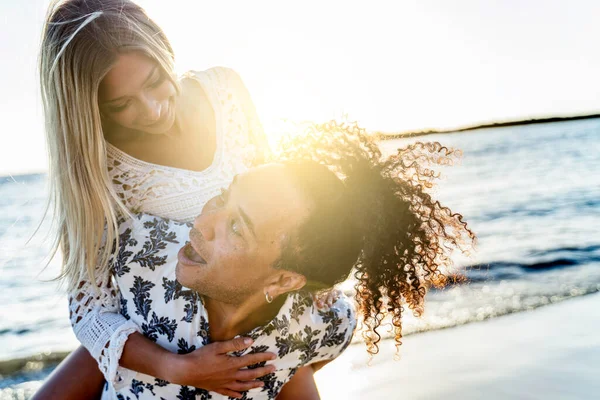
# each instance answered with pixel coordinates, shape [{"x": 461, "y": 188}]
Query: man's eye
[{"x": 235, "y": 227}]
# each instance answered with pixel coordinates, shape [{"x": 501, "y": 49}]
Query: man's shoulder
[{"x": 313, "y": 334}]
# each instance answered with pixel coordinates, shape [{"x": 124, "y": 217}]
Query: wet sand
[{"x": 550, "y": 353}]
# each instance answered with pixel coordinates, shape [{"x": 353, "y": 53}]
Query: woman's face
[{"x": 137, "y": 94}]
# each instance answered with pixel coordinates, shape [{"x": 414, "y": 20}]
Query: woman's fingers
[
  {"x": 326, "y": 299},
  {"x": 254, "y": 373},
  {"x": 333, "y": 296}
]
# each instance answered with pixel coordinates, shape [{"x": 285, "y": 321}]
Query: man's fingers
[
  {"x": 255, "y": 373},
  {"x": 236, "y": 344},
  {"x": 251, "y": 359},
  {"x": 243, "y": 386}
]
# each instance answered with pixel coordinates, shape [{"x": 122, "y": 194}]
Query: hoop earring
[{"x": 268, "y": 298}]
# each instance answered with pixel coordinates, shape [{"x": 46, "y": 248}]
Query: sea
[{"x": 531, "y": 193}]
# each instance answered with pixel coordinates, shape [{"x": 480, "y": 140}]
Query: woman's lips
[{"x": 187, "y": 255}]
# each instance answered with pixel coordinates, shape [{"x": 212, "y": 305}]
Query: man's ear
[{"x": 285, "y": 282}]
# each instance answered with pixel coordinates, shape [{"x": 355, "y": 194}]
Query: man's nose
[{"x": 204, "y": 223}]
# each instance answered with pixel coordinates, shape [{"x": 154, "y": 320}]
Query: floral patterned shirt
[{"x": 174, "y": 316}]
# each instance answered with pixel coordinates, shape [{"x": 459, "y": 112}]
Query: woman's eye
[
  {"x": 118, "y": 108},
  {"x": 161, "y": 78}
]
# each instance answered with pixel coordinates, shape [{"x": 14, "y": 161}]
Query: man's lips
[{"x": 187, "y": 255}]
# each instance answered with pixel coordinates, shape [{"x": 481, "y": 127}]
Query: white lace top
[{"x": 171, "y": 193}]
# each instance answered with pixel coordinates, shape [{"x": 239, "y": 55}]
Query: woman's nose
[
  {"x": 152, "y": 108},
  {"x": 204, "y": 223}
]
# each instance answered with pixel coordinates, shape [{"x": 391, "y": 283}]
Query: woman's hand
[
  {"x": 211, "y": 368},
  {"x": 326, "y": 298}
]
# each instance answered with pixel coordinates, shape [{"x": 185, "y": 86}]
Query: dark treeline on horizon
[{"x": 388, "y": 136}]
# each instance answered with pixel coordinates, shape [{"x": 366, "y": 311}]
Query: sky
[{"x": 392, "y": 65}]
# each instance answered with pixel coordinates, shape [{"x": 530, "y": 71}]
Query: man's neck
[{"x": 226, "y": 320}]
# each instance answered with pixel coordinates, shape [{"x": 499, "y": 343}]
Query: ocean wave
[{"x": 541, "y": 261}]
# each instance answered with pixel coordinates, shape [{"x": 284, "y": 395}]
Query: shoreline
[
  {"x": 32, "y": 366},
  {"x": 550, "y": 352}
]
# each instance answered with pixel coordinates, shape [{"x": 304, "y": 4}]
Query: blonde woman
[{"x": 125, "y": 135}]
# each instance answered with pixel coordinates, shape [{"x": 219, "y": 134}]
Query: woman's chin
[{"x": 161, "y": 129}]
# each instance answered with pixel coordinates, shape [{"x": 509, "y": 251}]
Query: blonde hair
[{"x": 81, "y": 41}]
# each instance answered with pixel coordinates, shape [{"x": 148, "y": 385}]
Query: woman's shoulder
[{"x": 217, "y": 75}]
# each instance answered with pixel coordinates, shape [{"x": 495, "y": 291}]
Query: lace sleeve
[
  {"x": 256, "y": 133},
  {"x": 98, "y": 325}
]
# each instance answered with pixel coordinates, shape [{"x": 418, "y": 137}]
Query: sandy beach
[{"x": 550, "y": 353}]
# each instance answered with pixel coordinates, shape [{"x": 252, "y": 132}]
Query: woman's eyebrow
[{"x": 145, "y": 81}]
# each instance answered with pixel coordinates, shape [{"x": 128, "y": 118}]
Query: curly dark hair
[{"x": 371, "y": 213}]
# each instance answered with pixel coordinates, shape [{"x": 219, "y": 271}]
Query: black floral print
[
  {"x": 184, "y": 347},
  {"x": 298, "y": 308},
  {"x": 141, "y": 296},
  {"x": 159, "y": 326},
  {"x": 123, "y": 304},
  {"x": 174, "y": 290},
  {"x": 144, "y": 270},
  {"x": 137, "y": 387},
  {"x": 158, "y": 238},
  {"x": 332, "y": 335},
  {"x": 160, "y": 382},
  {"x": 121, "y": 260}
]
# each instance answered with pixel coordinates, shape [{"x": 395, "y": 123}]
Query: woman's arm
[
  {"x": 99, "y": 326},
  {"x": 210, "y": 367},
  {"x": 77, "y": 377},
  {"x": 302, "y": 386},
  {"x": 119, "y": 349}
]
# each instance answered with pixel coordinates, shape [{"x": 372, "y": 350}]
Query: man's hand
[{"x": 211, "y": 368}]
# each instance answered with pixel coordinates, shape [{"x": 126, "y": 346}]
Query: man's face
[{"x": 239, "y": 235}]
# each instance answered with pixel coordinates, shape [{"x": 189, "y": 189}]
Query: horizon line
[
  {"x": 492, "y": 124},
  {"x": 404, "y": 134}
]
